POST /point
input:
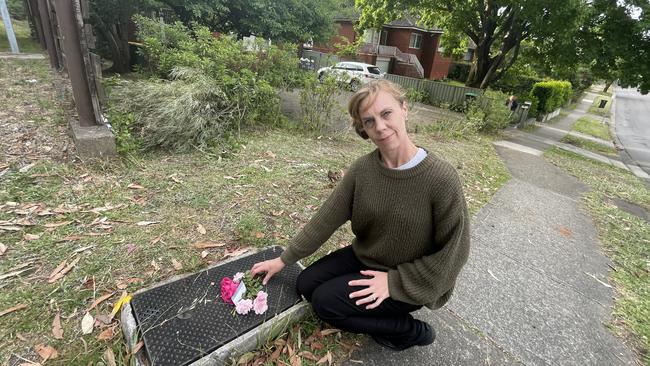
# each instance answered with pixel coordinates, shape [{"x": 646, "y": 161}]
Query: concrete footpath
[{"x": 535, "y": 290}]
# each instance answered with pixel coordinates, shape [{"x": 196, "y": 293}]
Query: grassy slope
[
  {"x": 625, "y": 237},
  {"x": 593, "y": 128},
  {"x": 21, "y": 30},
  {"x": 259, "y": 196}
]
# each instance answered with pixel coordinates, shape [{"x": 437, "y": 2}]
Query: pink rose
[
  {"x": 238, "y": 276},
  {"x": 228, "y": 288},
  {"x": 243, "y": 307},
  {"x": 259, "y": 304}
]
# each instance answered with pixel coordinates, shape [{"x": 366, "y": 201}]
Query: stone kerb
[{"x": 210, "y": 314}]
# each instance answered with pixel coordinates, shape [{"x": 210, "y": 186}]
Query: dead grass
[{"x": 126, "y": 222}]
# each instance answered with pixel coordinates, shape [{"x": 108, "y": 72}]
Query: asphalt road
[{"x": 633, "y": 125}]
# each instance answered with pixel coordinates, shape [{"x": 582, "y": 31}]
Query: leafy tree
[
  {"x": 497, "y": 27},
  {"x": 618, "y": 45},
  {"x": 282, "y": 21}
]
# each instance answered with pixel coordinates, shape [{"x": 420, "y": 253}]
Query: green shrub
[
  {"x": 16, "y": 9},
  {"x": 459, "y": 71},
  {"x": 192, "y": 109},
  {"x": 551, "y": 94},
  {"x": 417, "y": 96},
  {"x": 489, "y": 113},
  {"x": 318, "y": 103},
  {"x": 123, "y": 125},
  {"x": 167, "y": 46}
]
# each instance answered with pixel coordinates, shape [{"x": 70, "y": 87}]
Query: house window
[
  {"x": 371, "y": 36},
  {"x": 383, "y": 39},
  {"x": 416, "y": 40}
]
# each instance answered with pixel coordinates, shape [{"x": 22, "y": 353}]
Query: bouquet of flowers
[{"x": 245, "y": 292}]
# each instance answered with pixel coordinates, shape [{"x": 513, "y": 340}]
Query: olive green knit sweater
[{"x": 412, "y": 223}]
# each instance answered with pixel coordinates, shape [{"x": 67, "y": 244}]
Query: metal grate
[{"x": 186, "y": 319}]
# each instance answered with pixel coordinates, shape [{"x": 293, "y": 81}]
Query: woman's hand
[
  {"x": 270, "y": 267},
  {"x": 375, "y": 292}
]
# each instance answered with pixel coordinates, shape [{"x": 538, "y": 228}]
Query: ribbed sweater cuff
[
  {"x": 395, "y": 288},
  {"x": 289, "y": 257}
]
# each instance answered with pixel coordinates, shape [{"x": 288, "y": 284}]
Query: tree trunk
[
  {"x": 121, "y": 61},
  {"x": 480, "y": 67},
  {"x": 608, "y": 83}
]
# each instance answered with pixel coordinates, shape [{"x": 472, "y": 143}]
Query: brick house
[{"x": 401, "y": 47}]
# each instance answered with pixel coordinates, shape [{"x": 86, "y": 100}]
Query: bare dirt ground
[{"x": 33, "y": 128}]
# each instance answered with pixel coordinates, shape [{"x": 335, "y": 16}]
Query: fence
[
  {"x": 320, "y": 59},
  {"x": 438, "y": 92},
  {"x": 457, "y": 96}
]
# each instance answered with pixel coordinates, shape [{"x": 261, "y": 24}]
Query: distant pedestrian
[{"x": 512, "y": 103}]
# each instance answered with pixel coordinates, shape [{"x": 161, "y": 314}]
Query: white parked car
[{"x": 352, "y": 73}]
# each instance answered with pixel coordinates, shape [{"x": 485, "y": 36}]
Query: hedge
[{"x": 551, "y": 94}]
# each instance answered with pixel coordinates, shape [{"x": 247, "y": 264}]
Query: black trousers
[{"x": 325, "y": 285}]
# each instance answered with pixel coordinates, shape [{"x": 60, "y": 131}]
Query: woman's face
[{"x": 385, "y": 122}]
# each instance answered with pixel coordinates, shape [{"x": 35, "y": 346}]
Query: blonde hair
[{"x": 365, "y": 96}]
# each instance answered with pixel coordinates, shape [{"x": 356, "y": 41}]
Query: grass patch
[
  {"x": 530, "y": 127},
  {"x": 590, "y": 145},
  {"x": 625, "y": 238},
  {"x": 601, "y": 111},
  {"x": 453, "y": 82},
  {"x": 593, "y": 128},
  {"x": 261, "y": 194},
  {"x": 23, "y": 37}
]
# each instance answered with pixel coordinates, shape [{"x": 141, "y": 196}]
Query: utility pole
[
  {"x": 10, "y": 30},
  {"x": 66, "y": 14}
]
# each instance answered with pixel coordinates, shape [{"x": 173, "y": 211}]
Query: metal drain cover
[{"x": 186, "y": 319}]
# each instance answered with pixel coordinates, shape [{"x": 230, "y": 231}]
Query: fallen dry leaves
[
  {"x": 3, "y": 249},
  {"x": 146, "y": 223},
  {"x": 99, "y": 300},
  {"x": 30, "y": 237},
  {"x": 327, "y": 358},
  {"x": 12, "y": 309},
  {"x": 61, "y": 270},
  {"x": 326, "y": 332},
  {"x": 207, "y": 245},
  {"x": 135, "y": 186},
  {"x": 57, "y": 224},
  {"x": 137, "y": 347},
  {"x": 123, "y": 284},
  {"x": 106, "y": 334},
  {"x": 110, "y": 357},
  {"x": 46, "y": 352},
  {"x": 87, "y": 323},
  {"x": 177, "y": 265},
  {"x": 57, "y": 331},
  {"x": 235, "y": 252}
]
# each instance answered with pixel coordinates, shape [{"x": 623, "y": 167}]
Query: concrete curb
[{"x": 227, "y": 353}]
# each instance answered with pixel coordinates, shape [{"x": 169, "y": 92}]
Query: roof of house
[{"x": 409, "y": 22}]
